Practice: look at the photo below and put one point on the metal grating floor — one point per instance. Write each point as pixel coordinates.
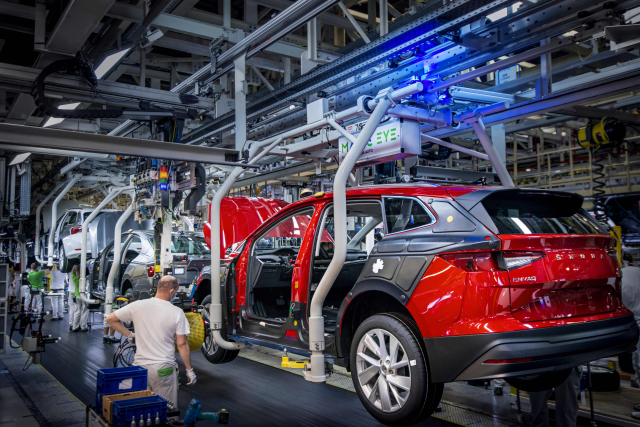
(452, 411)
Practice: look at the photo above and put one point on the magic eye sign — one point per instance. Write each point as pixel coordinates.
(394, 140)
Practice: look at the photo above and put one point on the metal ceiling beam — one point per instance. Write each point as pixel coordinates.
(274, 175)
(326, 17)
(194, 28)
(18, 10)
(597, 113)
(76, 24)
(67, 83)
(31, 136)
(615, 85)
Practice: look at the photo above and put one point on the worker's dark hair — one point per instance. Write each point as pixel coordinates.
(75, 269)
(34, 266)
(168, 283)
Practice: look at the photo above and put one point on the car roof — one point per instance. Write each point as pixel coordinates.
(402, 189)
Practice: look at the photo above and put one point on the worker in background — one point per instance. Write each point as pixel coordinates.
(73, 307)
(35, 280)
(109, 333)
(631, 300)
(25, 293)
(11, 289)
(566, 402)
(158, 323)
(57, 301)
(81, 314)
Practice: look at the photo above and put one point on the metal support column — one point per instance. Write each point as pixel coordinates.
(498, 164)
(312, 40)
(384, 18)
(240, 90)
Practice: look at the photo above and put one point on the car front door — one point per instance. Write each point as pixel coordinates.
(271, 274)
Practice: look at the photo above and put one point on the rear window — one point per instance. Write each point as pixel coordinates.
(405, 213)
(521, 212)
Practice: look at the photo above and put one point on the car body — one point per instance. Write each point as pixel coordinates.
(68, 234)
(137, 258)
(473, 282)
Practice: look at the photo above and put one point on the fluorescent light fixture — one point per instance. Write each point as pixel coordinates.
(503, 12)
(570, 33)
(55, 120)
(109, 62)
(19, 158)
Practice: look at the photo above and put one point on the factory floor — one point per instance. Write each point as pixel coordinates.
(253, 388)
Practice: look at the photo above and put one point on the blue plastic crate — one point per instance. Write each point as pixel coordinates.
(143, 408)
(121, 380)
(99, 402)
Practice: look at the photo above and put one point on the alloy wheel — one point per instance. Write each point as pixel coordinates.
(383, 370)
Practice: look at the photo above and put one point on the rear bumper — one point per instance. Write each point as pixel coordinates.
(552, 348)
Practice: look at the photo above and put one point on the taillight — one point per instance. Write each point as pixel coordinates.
(473, 261)
(151, 271)
(75, 230)
(511, 260)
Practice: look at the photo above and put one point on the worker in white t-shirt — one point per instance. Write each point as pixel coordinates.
(57, 301)
(158, 324)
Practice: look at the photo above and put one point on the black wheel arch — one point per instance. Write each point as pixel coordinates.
(203, 289)
(367, 298)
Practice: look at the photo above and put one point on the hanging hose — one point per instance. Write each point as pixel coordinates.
(599, 183)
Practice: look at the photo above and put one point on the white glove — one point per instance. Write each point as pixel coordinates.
(131, 337)
(192, 377)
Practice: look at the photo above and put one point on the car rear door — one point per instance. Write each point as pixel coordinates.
(560, 261)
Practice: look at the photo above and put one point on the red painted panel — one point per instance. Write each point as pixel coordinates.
(576, 277)
(239, 216)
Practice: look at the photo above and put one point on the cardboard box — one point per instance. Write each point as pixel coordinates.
(108, 399)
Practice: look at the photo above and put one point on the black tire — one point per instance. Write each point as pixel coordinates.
(65, 265)
(421, 397)
(210, 350)
(539, 382)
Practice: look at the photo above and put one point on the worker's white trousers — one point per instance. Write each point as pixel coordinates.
(72, 310)
(164, 385)
(25, 293)
(81, 315)
(57, 304)
(36, 303)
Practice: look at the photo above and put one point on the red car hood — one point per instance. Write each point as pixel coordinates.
(239, 216)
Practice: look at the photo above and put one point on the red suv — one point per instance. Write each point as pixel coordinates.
(440, 284)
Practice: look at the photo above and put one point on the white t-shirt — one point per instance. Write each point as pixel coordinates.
(156, 324)
(631, 290)
(57, 279)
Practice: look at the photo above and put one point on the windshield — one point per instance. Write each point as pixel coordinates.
(521, 212)
(189, 244)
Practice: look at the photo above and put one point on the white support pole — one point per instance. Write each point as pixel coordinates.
(85, 226)
(117, 251)
(187, 223)
(384, 18)
(38, 210)
(226, 14)
(316, 373)
(215, 310)
(54, 217)
(498, 165)
(286, 64)
(312, 40)
(240, 89)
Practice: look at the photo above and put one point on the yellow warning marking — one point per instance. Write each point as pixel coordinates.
(449, 219)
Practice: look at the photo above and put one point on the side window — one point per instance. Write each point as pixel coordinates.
(288, 233)
(71, 218)
(134, 249)
(363, 220)
(403, 213)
